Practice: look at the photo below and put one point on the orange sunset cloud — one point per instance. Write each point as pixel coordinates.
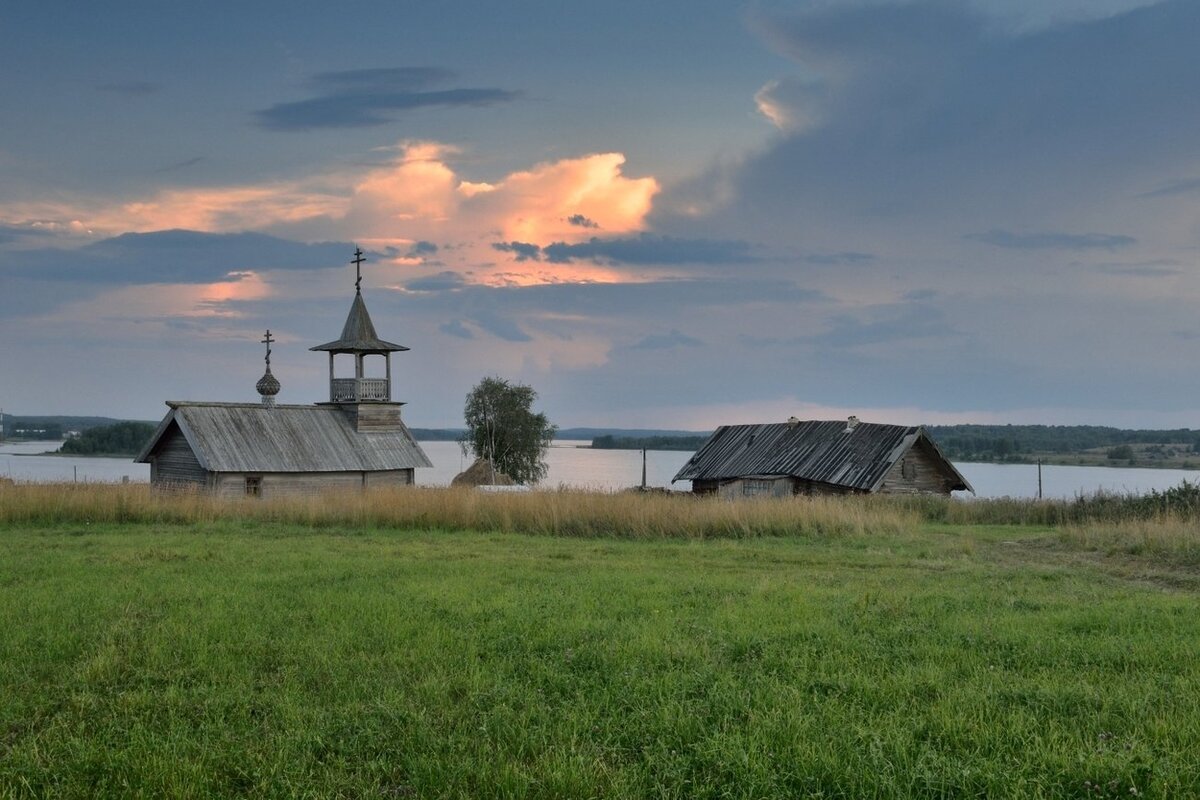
(417, 195)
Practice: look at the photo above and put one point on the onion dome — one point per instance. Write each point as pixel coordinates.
(268, 384)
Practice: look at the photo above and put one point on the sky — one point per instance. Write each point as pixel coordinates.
(677, 214)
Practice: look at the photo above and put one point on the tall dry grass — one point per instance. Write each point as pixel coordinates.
(555, 513)
(1169, 537)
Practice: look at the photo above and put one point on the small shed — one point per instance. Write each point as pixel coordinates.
(355, 440)
(820, 457)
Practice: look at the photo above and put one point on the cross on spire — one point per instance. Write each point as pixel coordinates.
(358, 262)
(267, 341)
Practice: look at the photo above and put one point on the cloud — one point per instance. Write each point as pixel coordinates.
(884, 325)
(368, 97)
(1173, 188)
(190, 162)
(400, 207)
(501, 327)
(174, 256)
(579, 220)
(666, 341)
(847, 258)
(792, 105)
(1149, 269)
(1040, 241)
(535, 205)
(524, 251)
(651, 249)
(935, 120)
(442, 282)
(456, 328)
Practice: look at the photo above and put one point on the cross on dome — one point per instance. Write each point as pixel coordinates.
(358, 262)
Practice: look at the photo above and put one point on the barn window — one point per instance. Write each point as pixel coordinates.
(908, 469)
(253, 486)
(754, 486)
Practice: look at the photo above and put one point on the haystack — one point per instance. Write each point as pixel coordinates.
(482, 473)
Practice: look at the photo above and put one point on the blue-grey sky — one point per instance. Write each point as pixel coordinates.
(675, 214)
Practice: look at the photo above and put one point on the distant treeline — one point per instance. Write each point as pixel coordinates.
(48, 428)
(121, 439)
(687, 443)
(979, 442)
(1000, 442)
(436, 434)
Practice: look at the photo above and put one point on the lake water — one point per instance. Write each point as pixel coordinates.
(611, 470)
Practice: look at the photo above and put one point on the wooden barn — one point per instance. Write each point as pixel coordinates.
(356, 440)
(820, 457)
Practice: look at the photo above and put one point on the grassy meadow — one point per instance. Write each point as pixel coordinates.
(437, 643)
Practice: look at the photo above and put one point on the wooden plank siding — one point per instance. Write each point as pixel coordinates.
(173, 462)
(291, 484)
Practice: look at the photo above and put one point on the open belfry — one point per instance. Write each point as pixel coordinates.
(354, 440)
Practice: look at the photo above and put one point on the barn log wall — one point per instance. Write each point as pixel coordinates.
(756, 487)
(926, 477)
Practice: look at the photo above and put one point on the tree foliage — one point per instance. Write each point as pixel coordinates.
(502, 427)
(123, 438)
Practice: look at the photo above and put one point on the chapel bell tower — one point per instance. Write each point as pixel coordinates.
(368, 400)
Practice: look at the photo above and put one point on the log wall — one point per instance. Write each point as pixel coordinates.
(923, 475)
(173, 461)
(279, 484)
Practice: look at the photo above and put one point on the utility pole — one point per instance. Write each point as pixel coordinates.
(643, 469)
(1039, 479)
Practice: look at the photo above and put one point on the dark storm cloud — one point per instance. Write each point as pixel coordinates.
(1052, 240)
(936, 117)
(175, 256)
(366, 97)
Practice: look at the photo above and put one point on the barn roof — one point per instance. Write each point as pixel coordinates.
(833, 452)
(358, 334)
(241, 437)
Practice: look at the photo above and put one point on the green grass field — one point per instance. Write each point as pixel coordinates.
(244, 657)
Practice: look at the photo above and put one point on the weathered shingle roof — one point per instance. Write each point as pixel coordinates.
(238, 437)
(822, 451)
(358, 334)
